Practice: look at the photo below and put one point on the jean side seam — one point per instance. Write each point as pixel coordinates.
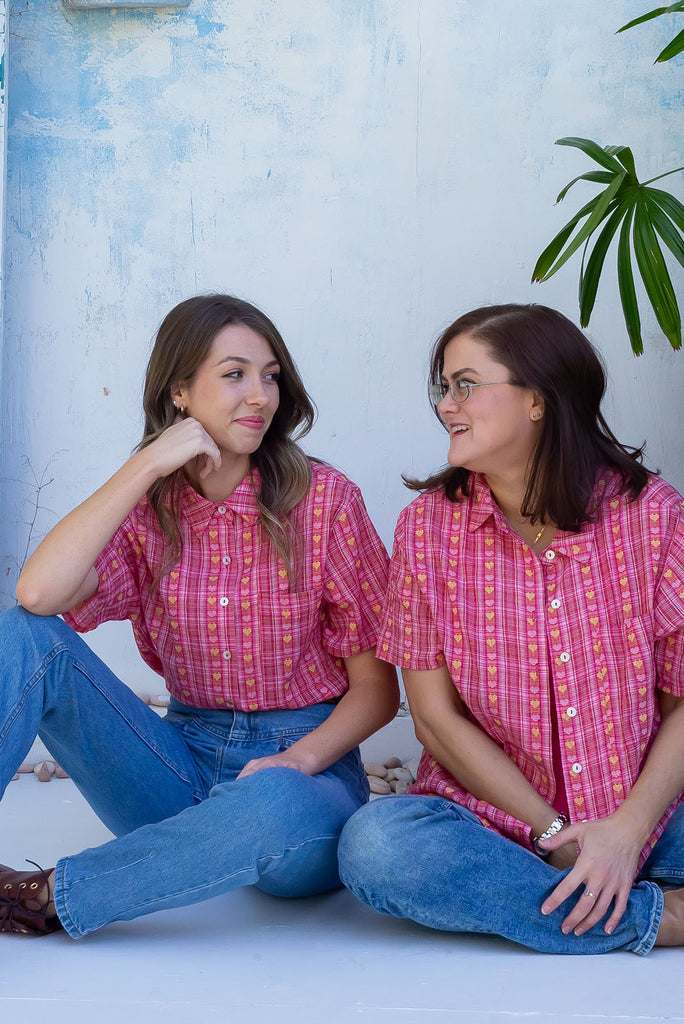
(193, 783)
(29, 687)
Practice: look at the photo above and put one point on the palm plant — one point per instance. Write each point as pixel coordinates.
(677, 44)
(644, 215)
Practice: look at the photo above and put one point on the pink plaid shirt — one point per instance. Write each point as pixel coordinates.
(225, 627)
(598, 617)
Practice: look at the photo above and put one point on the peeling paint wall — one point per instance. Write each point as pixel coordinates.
(363, 171)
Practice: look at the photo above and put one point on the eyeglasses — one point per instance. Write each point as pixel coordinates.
(461, 390)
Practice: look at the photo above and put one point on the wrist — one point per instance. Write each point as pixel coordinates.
(553, 829)
(634, 825)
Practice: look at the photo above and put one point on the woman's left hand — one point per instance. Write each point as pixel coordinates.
(286, 759)
(605, 870)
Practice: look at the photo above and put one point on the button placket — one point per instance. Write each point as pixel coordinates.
(214, 620)
(248, 638)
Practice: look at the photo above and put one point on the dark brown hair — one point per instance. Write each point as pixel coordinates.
(545, 352)
(181, 346)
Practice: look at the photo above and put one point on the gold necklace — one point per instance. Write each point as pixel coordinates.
(538, 537)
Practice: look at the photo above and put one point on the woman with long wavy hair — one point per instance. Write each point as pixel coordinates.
(536, 607)
(253, 580)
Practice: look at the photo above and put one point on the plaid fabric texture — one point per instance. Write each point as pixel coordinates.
(598, 617)
(226, 627)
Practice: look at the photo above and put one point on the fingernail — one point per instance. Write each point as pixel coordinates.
(565, 930)
(609, 929)
(545, 910)
(579, 931)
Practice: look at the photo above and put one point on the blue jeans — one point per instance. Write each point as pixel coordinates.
(431, 860)
(187, 828)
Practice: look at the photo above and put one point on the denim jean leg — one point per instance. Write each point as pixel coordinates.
(430, 860)
(131, 766)
(277, 829)
(666, 863)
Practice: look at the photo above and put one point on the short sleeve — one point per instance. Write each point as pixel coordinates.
(118, 594)
(409, 636)
(669, 615)
(355, 580)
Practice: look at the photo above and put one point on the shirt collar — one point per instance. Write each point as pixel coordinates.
(200, 512)
(483, 508)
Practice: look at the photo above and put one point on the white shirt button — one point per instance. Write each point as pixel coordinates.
(549, 555)
(226, 655)
(576, 768)
(221, 509)
(565, 656)
(226, 559)
(223, 601)
(571, 712)
(555, 603)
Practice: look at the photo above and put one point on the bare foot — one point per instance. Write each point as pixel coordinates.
(671, 930)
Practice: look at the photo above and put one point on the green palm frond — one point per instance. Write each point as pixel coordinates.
(644, 215)
(677, 44)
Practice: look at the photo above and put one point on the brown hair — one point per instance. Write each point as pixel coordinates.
(181, 346)
(545, 352)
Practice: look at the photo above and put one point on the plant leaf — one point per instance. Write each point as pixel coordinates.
(671, 206)
(679, 6)
(593, 150)
(655, 276)
(666, 229)
(600, 211)
(556, 244)
(672, 49)
(589, 278)
(626, 157)
(630, 307)
(602, 177)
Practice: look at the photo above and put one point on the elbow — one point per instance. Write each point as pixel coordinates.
(32, 599)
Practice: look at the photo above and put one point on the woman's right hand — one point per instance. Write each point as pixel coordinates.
(182, 442)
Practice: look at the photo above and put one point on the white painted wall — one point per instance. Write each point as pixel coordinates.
(365, 171)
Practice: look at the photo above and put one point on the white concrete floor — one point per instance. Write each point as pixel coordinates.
(248, 958)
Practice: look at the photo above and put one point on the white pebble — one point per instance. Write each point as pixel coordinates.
(393, 762)
(401, 787)
(378, 785)
(375, 768)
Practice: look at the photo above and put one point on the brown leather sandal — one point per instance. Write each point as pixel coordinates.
(23, 909)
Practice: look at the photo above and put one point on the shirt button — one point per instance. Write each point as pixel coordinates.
(226, 655)
(555, 603)
(565, 656)
(576, 768)
(571, 712)
(221, 509)
(223, 601)
(549, 555)
(226, 559)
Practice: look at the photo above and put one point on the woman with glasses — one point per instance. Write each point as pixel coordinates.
(536, 608)
(253, 579)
